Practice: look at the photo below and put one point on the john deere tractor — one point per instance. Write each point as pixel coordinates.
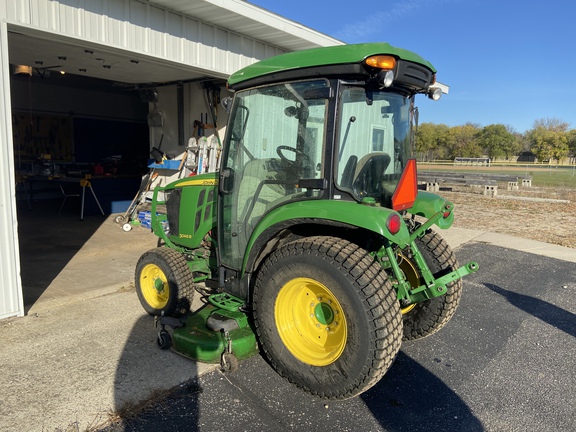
(312, 243)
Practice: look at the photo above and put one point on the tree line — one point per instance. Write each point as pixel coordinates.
(549, 139)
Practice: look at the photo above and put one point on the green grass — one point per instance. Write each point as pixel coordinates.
(542, 176)
(554, 178)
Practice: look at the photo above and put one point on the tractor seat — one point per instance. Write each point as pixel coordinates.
(369, 174)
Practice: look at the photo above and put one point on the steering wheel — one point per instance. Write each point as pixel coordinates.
(297, 152)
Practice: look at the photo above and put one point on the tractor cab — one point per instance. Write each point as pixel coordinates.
(346, 138)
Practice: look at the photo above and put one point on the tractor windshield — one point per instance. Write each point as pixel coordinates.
(374, 142)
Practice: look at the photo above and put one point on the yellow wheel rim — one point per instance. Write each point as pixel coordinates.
(411, 274)
(310, 322)
(154, 286)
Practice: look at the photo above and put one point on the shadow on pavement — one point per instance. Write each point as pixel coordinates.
(143, 369)
(255, 398)
(48, 241)
(547, 312)
(409, 397)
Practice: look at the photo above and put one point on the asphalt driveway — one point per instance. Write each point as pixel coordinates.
(506, 362)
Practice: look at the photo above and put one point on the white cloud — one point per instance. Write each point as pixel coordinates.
(374, 22)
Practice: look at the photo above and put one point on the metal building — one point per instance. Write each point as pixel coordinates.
(177, 43)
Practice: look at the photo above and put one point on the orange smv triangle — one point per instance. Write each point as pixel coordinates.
(407, 188)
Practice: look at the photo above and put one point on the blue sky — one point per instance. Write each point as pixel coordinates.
(508, 62)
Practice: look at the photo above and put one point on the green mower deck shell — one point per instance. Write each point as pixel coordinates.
(196, 341)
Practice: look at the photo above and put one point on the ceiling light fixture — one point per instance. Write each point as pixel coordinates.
(23, 70)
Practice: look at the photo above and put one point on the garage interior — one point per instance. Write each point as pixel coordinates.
(79, 112)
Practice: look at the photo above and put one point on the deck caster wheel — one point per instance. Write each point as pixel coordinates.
(164, 340)
(229, 363)
(119, 219)
(127, 227)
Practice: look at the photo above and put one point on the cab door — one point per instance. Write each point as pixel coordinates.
(275, 138)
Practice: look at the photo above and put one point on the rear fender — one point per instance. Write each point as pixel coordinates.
(432, 206)
(353, 214)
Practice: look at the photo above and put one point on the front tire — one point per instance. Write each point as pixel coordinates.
(326, 316)
(427, 317)
(164, 282)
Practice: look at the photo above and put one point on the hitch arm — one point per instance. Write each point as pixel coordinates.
(438, 286)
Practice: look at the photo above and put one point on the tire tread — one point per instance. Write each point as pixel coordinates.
(434, 314)
(379, 305)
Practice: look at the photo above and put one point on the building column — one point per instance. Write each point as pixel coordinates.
(11, 299)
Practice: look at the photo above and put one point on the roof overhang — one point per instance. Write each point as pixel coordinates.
(247, 19)
(47, 51)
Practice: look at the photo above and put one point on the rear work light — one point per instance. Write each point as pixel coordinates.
(394, 223)
(435, 93)
(407, 188)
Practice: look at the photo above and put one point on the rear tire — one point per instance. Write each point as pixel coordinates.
(164, 282)
(427, 317)
(326, 316)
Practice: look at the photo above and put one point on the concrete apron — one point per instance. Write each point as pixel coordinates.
(75, 364)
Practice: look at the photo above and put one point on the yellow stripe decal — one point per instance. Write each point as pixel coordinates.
(205, 182)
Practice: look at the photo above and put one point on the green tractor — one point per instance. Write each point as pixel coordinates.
(311, 244)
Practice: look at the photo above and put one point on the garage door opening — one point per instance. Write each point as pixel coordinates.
(75, 133)
(66, 129)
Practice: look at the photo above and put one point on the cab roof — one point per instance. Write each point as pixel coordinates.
(289, 64)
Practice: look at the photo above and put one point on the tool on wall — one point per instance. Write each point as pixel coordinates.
(156, 153)
(213, 100)
(202, 154)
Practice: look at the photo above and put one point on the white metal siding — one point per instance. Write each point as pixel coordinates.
(141, 28)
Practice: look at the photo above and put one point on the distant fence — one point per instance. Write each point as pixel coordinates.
(472, 161)
(501, 164)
